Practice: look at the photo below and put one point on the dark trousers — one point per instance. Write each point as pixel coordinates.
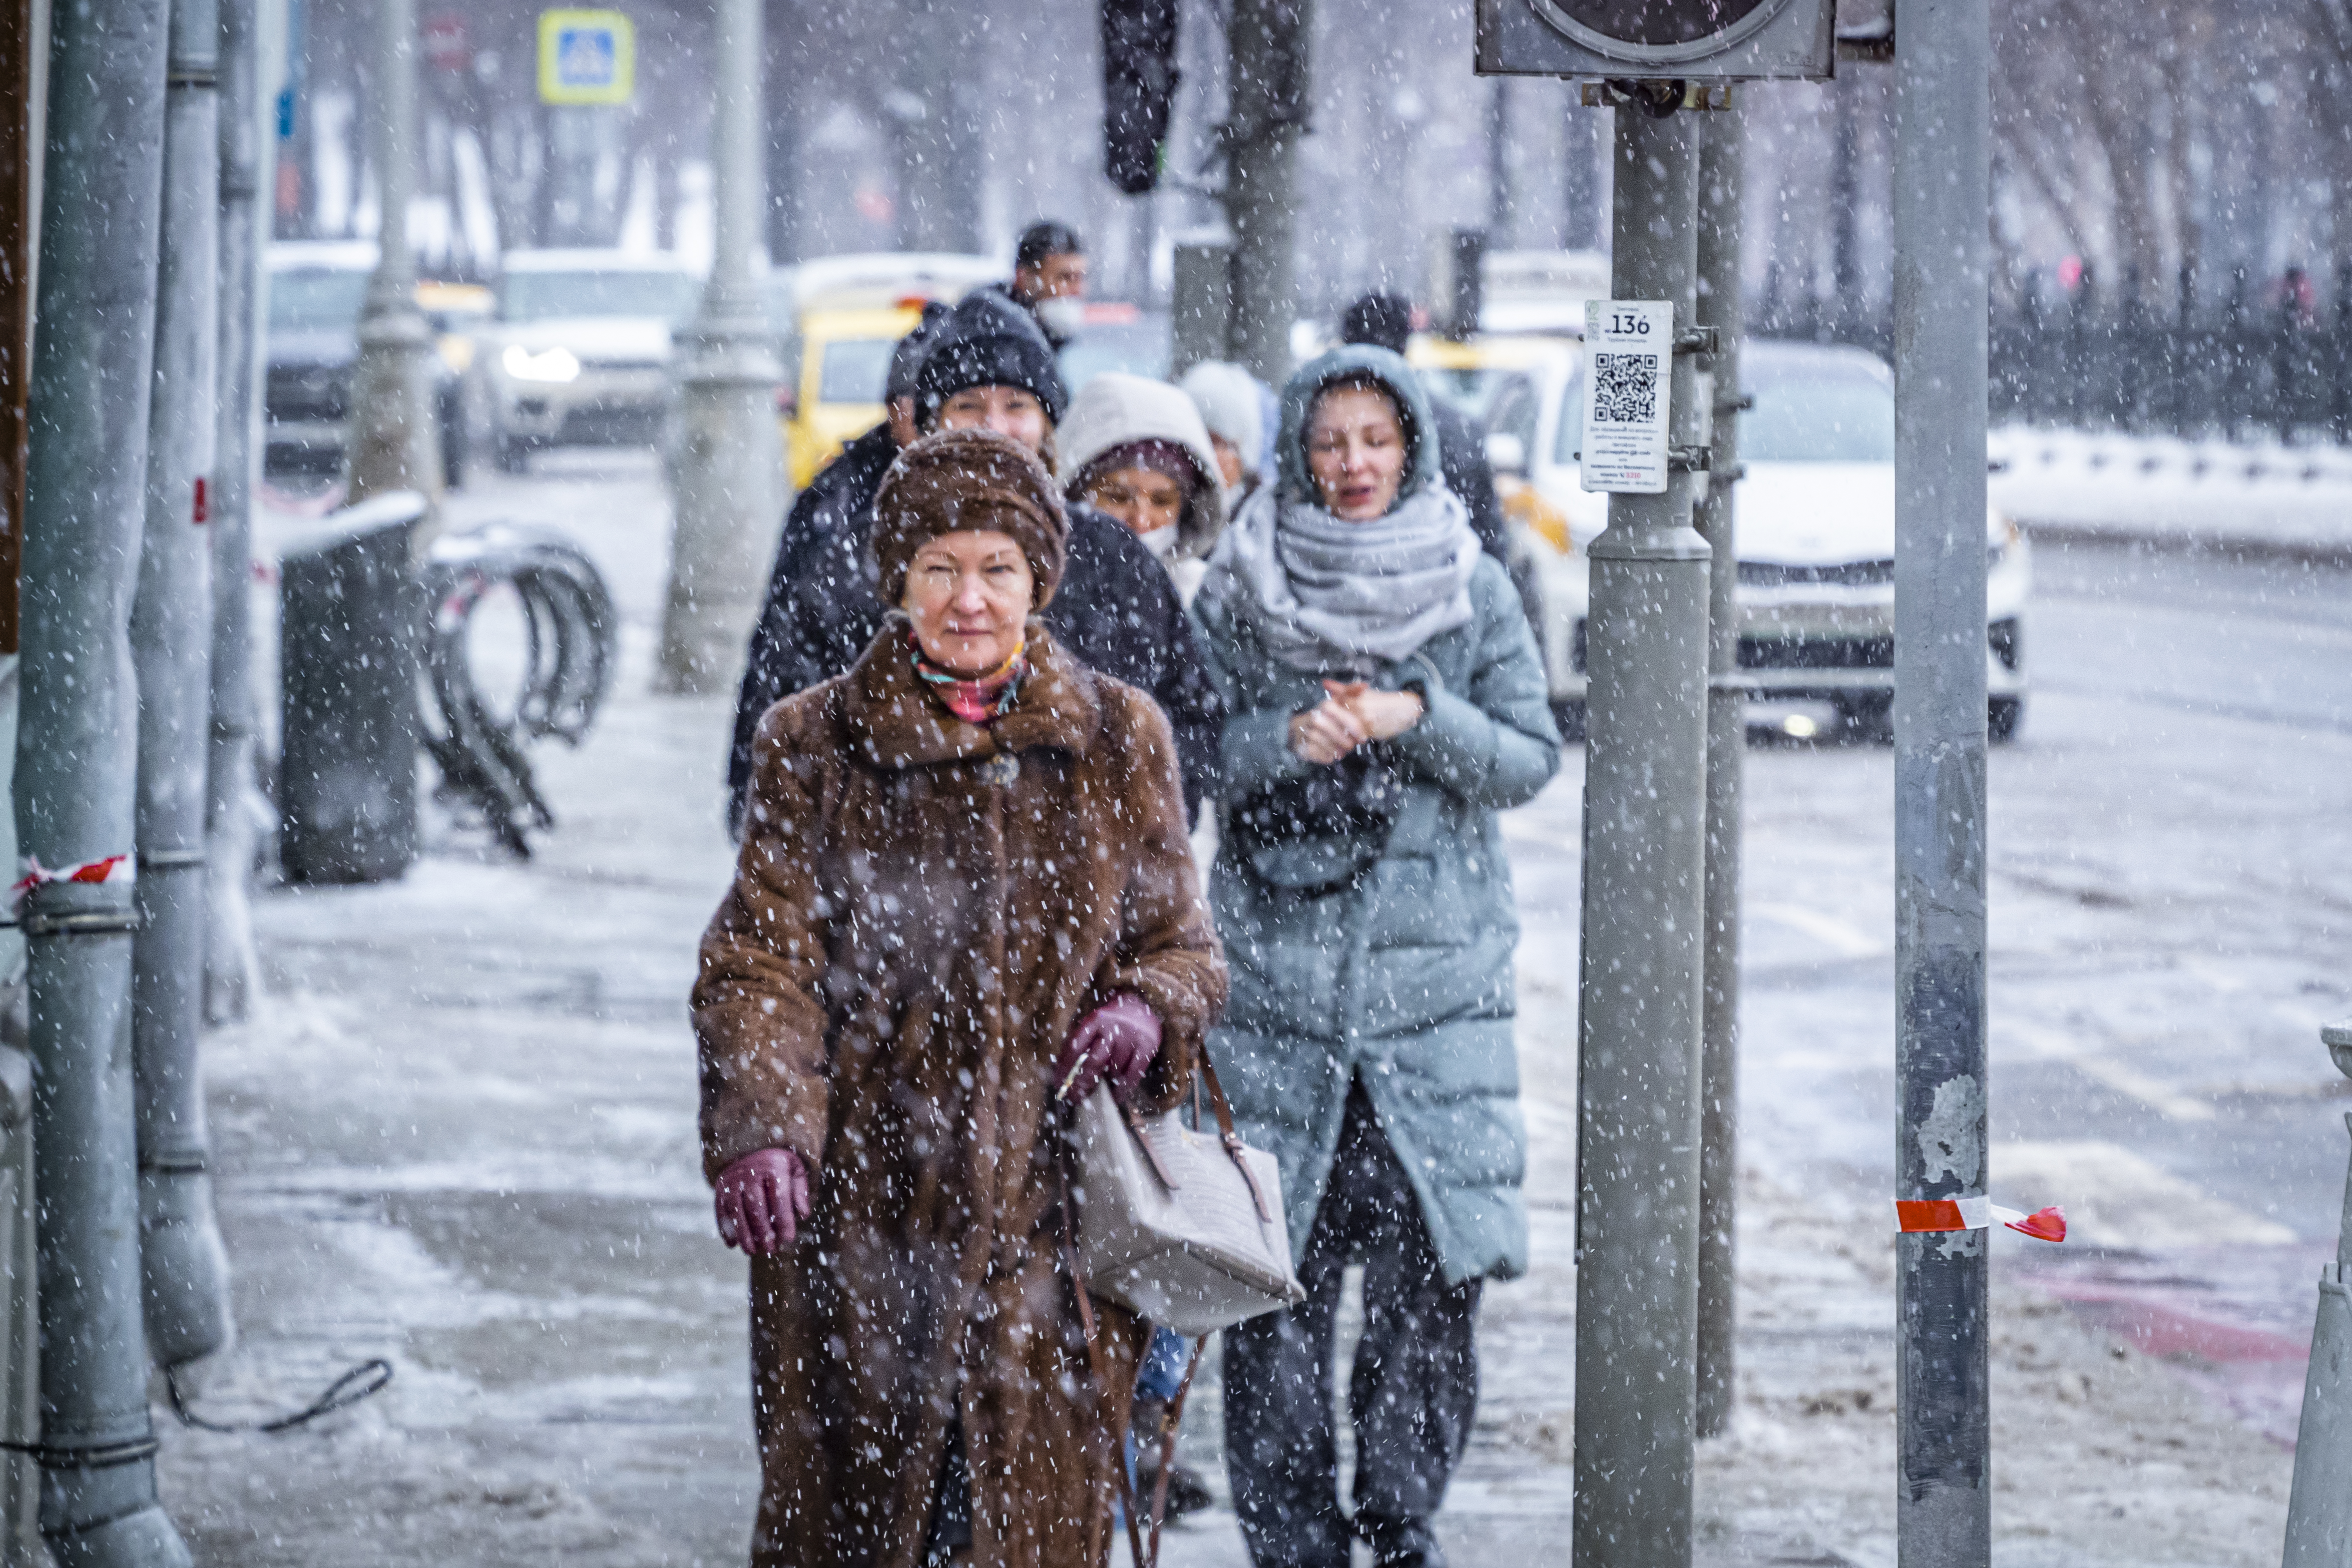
(1411, 1401)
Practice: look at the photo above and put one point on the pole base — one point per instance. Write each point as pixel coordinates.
(143, 1538)
(183, 1268)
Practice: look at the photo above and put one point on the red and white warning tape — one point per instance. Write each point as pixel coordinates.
(112, 869)
(1977, 1213)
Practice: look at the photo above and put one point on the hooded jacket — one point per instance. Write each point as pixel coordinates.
(1398, 976)
(1116, 409)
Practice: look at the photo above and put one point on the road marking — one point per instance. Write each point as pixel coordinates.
(1845, 940)
(2113, 1198)
(2044, 1043)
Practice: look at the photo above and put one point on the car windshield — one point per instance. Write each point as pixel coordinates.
(316, 299)
(1816, 413)
(855, 370)
(547, 296)
(1473, 390)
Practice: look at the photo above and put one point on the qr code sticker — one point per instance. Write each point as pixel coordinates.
(1625, 388)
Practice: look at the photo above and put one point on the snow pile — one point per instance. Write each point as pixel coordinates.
(2260, 497)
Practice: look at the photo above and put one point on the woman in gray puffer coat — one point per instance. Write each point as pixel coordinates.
(1385, 702)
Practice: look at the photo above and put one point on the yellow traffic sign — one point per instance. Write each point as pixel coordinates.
(586, 57)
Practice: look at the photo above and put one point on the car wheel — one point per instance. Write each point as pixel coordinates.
(1868, 718)
(1569, 714)
(2003, 717)
(513, 456)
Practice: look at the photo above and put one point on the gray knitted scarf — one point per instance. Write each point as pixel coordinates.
(1324, 594)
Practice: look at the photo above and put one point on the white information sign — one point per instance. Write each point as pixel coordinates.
(1629, 347)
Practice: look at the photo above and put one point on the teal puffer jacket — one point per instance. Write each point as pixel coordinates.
(1402, 978)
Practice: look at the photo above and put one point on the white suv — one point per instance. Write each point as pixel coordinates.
(579, 350)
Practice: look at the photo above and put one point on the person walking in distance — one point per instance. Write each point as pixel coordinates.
(963, 894)
(1386, 703)
(1232, 407)
(1049, 279)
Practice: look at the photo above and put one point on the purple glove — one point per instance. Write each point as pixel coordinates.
(1114, 1043)
(761, 1198)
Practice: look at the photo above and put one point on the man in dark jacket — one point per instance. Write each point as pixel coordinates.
(986, 363)
(1385, 320)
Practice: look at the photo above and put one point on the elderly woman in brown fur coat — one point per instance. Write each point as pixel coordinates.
(964, 890)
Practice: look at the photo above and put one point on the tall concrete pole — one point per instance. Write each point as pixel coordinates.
(183, 1265)
(729, 474)
(76, 751)
(395, 443)
(1644, 829)
(233, 810)
(1270, 94)
(1943, 1481)
(1721, 185)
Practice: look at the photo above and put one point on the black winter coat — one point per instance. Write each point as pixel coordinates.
(1116, 611)
(1461, 455)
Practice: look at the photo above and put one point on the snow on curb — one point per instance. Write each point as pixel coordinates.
(2261, 498)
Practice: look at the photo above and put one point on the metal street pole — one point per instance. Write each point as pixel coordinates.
(1269, 98)
(234, 809)
(77, 751)
(1645, 827)
(1943, 1497)
(395, 442)
(729, 472)
(183, 1264)
(1721, 185)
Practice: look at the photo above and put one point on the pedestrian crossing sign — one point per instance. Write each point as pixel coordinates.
(586, 57)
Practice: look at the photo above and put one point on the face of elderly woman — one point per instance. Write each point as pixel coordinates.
(1355, 449)
(969, 594)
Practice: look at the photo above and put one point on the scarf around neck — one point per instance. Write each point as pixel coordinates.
(1325, 594)
(975, 699)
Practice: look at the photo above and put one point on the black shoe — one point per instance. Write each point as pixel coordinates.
(1401, 1542)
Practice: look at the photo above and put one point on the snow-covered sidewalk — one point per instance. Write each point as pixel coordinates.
(461, 1135)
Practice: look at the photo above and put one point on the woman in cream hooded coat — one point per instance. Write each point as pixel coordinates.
(1137, 450)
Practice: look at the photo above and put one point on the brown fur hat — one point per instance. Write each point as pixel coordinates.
(969, 480)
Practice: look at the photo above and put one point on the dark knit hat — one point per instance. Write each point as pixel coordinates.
(907, 357)
(990, 342)
(973, 480)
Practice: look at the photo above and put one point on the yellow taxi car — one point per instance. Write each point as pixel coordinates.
(844, 362)
(839, 317)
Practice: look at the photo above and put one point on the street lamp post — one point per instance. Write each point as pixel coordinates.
(728, 475)
(1943, 1444)
(77, 753)
(395, 442)
(1645, 827)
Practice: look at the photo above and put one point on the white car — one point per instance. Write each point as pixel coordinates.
(1814, 519)
(579, 350)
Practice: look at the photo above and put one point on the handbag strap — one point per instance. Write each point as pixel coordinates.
(1102, 1390)
(1234, 1148)
(1172, 1417)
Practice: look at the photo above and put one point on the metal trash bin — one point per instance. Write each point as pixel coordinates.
(347, 626)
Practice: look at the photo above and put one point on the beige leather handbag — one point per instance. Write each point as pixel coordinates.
(1183, 1227)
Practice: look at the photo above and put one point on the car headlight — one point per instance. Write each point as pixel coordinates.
(556, 364)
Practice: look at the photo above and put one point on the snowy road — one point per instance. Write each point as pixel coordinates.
(463, 1134)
